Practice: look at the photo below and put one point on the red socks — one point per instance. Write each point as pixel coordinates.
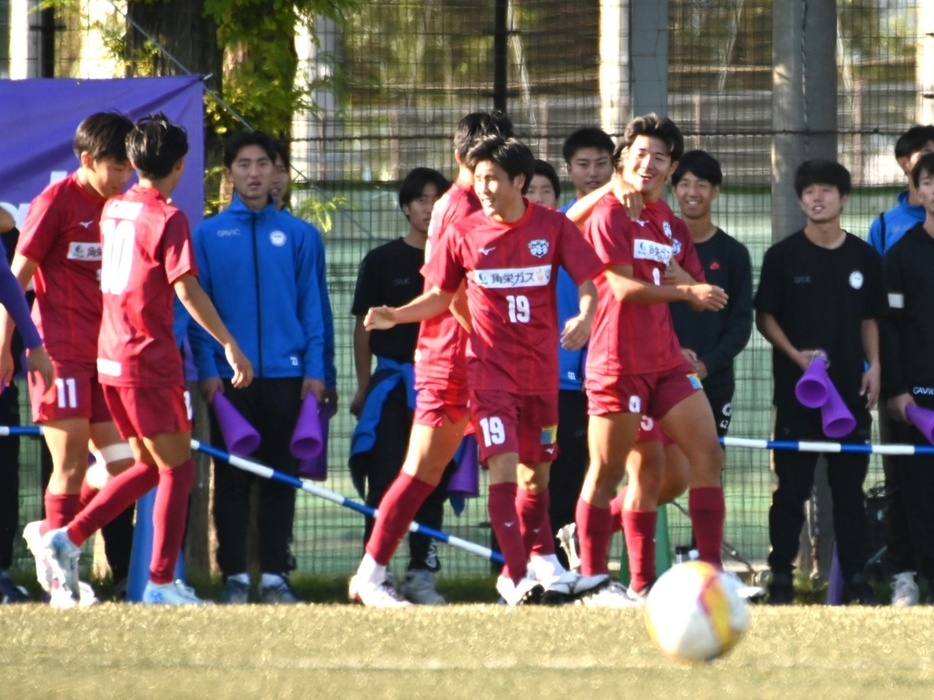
(505, 521)
(169, 516)
(113, 499)
(537, 535)
(639, 530)
(60, 509)
(708, 511)
(594, 529)
(396, 512)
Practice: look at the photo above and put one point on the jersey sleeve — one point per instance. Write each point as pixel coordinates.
(689, 259)
(578, 257)
(177, 250)
(364, 295)
(608, 232)
(40, 228)
(768, 297)
(444, 268)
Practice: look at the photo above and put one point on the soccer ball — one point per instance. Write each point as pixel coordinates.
(694, 613)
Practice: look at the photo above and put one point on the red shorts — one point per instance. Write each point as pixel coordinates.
(76, 393)
(650, 430)
(433, 404)
(145, 411)
(650, 394)
(506, 422)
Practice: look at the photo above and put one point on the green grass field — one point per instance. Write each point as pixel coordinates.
(462, 651)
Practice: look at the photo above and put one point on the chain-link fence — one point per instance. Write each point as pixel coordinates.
(394, 78)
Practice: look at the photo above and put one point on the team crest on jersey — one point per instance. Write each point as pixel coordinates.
(676, 247)
(277, 238)
(538, 247)
(666, 227)
(856, 279)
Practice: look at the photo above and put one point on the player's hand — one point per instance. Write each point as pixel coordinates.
(700, 369)
(6, 370)
(690, 356)
(576, 332)
(803, 358)
(675, 274)
(316, 387)
(380, 318)
(329, 400)
(706, 297)
(356, 403)
(628, 196)
(869, 387)
(898, 406)
(242, 367)
(39, 363)
(209, 387)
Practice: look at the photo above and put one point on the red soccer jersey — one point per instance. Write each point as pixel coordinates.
(511, 271)
(61, 233)
(439, 354)
(636, 338)
(146, 248)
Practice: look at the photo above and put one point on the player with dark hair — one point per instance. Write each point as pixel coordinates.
(819, 298)
(59, 248)
(635, 365)
(884, 232)
(588, 158)
(385, 400)
(441, 381)
(508, 254)
(147, 260)
(545, 188)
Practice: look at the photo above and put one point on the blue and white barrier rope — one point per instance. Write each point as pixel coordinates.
(804, 446)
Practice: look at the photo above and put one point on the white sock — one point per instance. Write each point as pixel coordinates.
(270, 580)
(545, 566)
(370, 570)
(242, 578)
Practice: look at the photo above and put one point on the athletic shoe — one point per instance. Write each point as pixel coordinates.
(375, 595)
(567, 538)
(279, 593)
(639, 597)
(175, 593)
(744, 591)
(528, 591)
(570, 586)
(87, 596)
(236, 592)
(612, 595)
(419, 588)
(10, 592)
(905, 590)
(63, 555)
(33, 536)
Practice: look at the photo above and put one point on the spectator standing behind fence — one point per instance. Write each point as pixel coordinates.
(10, 296)
(384, 403)
(147, 261)
(886, 230)
(260, 267)
(820, 295)
(59, 250)
(908, 373)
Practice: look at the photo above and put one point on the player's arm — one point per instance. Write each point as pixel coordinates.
(428, 305)
(16, 309)
(362, 362)
(872, 377)
(770, 329)
(199, 305)
(577, 329)
(703, 297)
(23, 269)
(7, 222)
(460, 309)
(628, 196)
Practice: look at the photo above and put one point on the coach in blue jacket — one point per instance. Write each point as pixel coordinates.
(262, 269)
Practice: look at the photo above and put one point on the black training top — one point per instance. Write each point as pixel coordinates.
(820, 298)
(718, 337)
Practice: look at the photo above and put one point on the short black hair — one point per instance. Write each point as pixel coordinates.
(155, 145)
(822, 172)
(913, 140)
(653, 126)
(282, 153)
(242, 139)
(544, 168)
(103, 135)
(478, 124)
(701, 165)
(925, 164)
(511, 155)
(587, 137)
(414, 184)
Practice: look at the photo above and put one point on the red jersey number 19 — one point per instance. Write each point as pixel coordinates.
(519, 309)
(117, 254)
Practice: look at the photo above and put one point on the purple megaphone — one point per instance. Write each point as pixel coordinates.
(465, 481)
(306, 439)
(836, 417)
(922, 419)
(316, 468)
(813, 389)
(240, 437)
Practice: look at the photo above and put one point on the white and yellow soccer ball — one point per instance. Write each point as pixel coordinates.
(694, 613)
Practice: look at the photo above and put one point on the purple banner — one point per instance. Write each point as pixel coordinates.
(39, 117)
